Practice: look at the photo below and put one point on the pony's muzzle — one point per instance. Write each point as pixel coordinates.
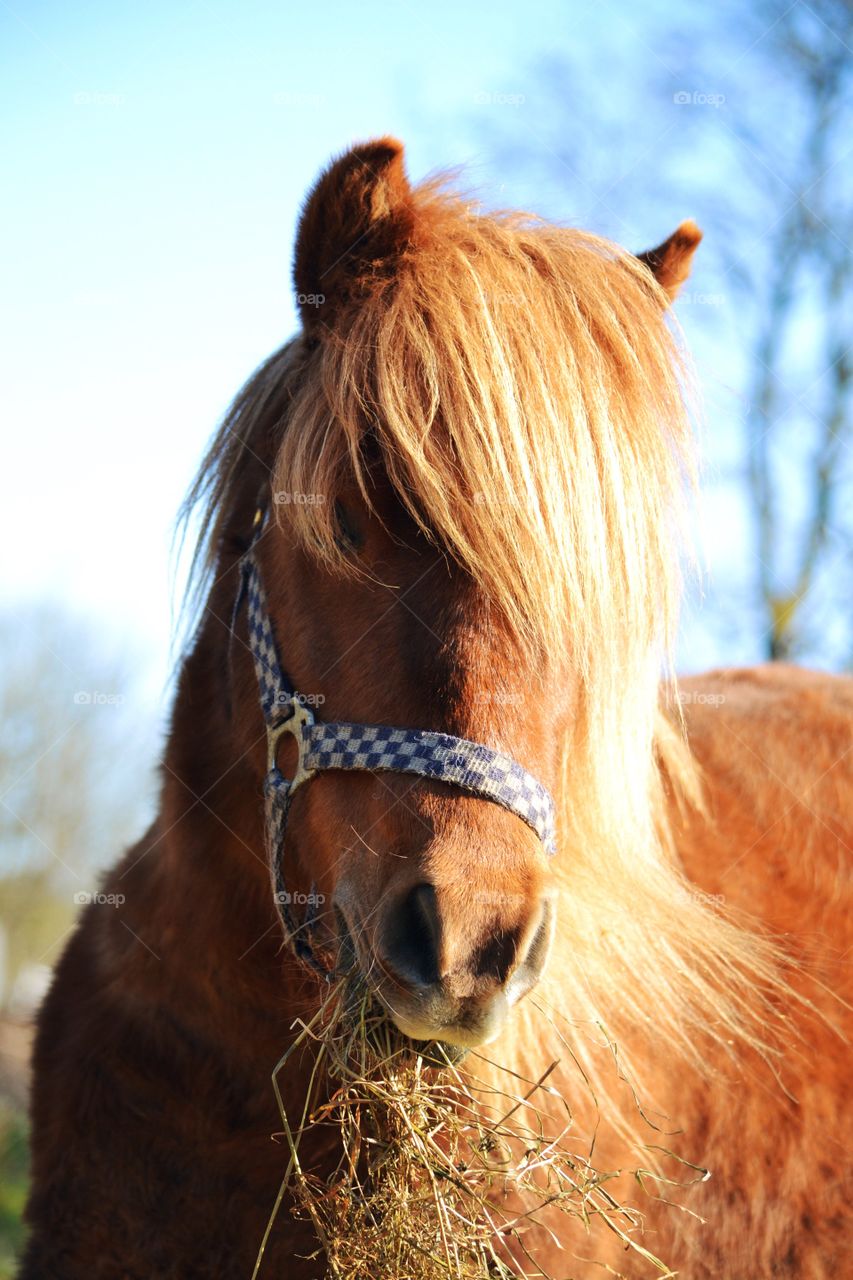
(455, 976)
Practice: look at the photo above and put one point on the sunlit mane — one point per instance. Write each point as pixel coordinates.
(524, 391)
(526, 395)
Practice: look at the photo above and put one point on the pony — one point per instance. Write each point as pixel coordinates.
(473, 460)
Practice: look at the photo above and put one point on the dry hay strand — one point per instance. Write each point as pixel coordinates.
(432, 1184)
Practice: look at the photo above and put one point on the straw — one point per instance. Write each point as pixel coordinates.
(440, 1176)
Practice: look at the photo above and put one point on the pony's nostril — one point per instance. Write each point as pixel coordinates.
(496, 957)
(533, 962)
(417, 949)
(413, 936)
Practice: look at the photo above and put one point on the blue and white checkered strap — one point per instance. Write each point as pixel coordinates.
(477, 769)
(276, 691)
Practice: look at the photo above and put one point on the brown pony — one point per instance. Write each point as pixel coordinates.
(474, 452)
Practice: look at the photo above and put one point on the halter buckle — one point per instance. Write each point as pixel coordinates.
(299, 719)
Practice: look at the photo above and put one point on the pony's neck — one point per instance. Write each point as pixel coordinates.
(211, 778)
(212, 820)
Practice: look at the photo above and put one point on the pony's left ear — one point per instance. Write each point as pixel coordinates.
(670, 262)
(356, 222)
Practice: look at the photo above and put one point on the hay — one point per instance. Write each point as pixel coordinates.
(440, 1177)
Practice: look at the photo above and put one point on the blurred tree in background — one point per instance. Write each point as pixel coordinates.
(744, 120)
(76, 784)
(799, 396)
(77, 741)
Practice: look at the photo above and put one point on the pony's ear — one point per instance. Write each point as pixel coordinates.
(355, 224)
(670, 262)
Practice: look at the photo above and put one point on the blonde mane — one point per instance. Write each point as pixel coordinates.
(527, 398)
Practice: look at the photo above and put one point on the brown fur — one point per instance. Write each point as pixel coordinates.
(773, 744)
(536, 624)
(670, 262)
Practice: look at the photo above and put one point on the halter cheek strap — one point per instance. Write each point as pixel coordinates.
(475, 768)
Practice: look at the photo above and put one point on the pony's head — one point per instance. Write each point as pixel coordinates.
(472, 451)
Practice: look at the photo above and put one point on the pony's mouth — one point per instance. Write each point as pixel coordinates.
(432, 1047)
(416, 1016)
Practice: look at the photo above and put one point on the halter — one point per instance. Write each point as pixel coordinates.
(472, 766)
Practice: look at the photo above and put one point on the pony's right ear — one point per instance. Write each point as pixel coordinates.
(355, 223)
(670, 262)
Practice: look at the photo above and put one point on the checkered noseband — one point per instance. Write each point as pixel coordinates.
(475, 768)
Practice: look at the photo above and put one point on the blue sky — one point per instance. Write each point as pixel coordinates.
(159, 156)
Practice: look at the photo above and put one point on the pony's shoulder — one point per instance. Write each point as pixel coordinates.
(773, 745)
(773, 735)
(770, 679)
(811, 708)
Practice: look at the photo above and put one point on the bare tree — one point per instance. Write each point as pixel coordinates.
(77, 742)
(744, 120)
(808, 296)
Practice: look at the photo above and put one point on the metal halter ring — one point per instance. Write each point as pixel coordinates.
(299, 719)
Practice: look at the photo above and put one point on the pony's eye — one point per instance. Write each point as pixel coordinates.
(348, 537)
